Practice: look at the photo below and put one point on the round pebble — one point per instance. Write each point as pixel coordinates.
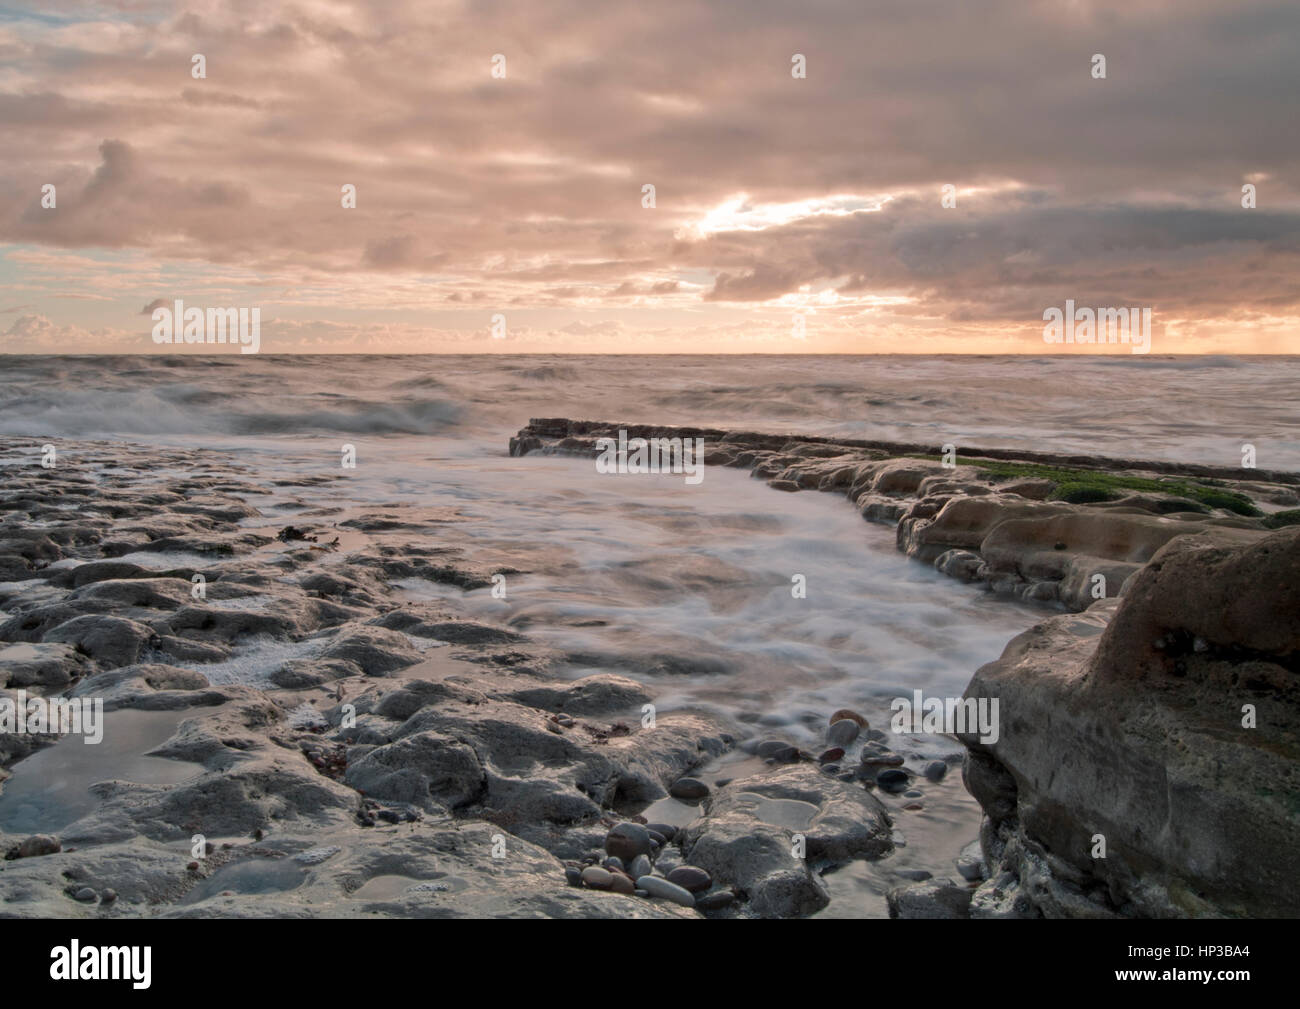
(688, 788)
(691, 878)
(913, 793)
(597, 878)
(850, 715)
(935, 770)
(831, 755)
(621, 883)
(85, 895)
(573, 875)
(627, 840)
(843, 732)
(892, 779)
(38, 844)
(665, 830)
(614, 862)
(640, 867)
(108, 896)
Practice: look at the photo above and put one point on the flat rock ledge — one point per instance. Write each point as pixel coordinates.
(1024, 524)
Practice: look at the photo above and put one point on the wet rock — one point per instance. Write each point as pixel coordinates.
(852, 716)
(930, 898)
(777, 750)
(843, 732)
(891, 779)
(935, 770)
(641, 866)
(745, 840)
(688, 788)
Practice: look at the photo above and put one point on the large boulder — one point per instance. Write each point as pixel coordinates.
(1148, 761)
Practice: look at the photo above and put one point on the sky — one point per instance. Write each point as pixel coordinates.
(500, 154)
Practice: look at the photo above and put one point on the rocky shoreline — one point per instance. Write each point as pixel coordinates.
(1150, 761)
(322, 744)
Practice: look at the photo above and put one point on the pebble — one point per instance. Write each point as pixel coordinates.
(914, 806)
(641, 893)
(852, 716)
(656, 837)
(691, 878)
(876, 736)
(597, 878)
(892, 779)
(916, 875)
(688, 788)
(913, 793)
(614, 862)
(85, 895)
(935, 770)
(883, 759)
(38, 844)
(573, 875)
(657, 887)
(640, 867)
(665, 830)
(831, 755)
(108, 896)
(715, 901)
(622, 883)
(775, 749)
(843, 732)
(627, 840)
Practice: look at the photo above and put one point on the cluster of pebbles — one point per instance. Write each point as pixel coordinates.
(638, 861)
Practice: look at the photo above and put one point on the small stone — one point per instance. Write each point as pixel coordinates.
(573, 875)
(192, 866)
(915, 875)
(691, 878)
(656, 837)
(843, 732)
(882, 760)
(640, 867)
(935, 770)
(614, 862)
(775, 749)
(622, 883)
(891, 779)
(627, 840)
(597, 878)
(108, 896)
(641, 893)
(715, 901)
(913, 793)
(657, 887)
(665, 830)
(688, 788)
(86, 895)
(852, 716)
(831, 755)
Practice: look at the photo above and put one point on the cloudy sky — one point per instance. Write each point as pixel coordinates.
(775, 196)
